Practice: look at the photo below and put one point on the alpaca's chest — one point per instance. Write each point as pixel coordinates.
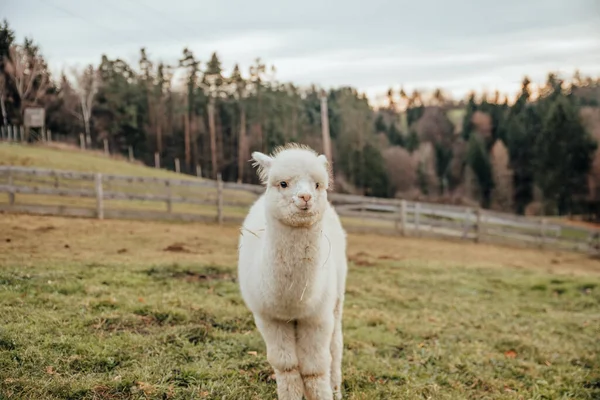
(297, 288)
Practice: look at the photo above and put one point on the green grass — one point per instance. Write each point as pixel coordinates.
(72, 159)
(116, 310)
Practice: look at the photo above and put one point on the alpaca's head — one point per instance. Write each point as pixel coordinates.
(297, 180)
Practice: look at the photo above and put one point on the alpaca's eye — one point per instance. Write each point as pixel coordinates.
(283, 185)
(318, 185)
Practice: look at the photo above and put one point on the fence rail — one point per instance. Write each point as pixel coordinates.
(54, 192)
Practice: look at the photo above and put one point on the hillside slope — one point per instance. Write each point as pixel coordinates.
(73, 159)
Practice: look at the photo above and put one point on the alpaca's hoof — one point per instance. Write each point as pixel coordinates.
(337, 394)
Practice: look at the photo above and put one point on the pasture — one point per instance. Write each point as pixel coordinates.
(145, 310)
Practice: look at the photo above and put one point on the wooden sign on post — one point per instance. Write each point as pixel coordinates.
(34, 117)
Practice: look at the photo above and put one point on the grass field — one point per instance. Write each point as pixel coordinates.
(72, 159)
(133, 310)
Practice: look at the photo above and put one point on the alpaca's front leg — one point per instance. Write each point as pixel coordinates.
(337, 348)
(314, 356)
(280, 338)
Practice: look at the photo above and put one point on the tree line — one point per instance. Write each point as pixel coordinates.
(535, 155)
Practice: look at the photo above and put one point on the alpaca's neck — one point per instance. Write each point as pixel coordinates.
(293, 253)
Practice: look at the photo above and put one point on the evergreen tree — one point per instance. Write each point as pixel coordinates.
(412, 141)
(521, 126)
(479, 161)
(394, 136)
(7, 91)
(380, 125)
(470, 109)
(443, 157)
(563, 157)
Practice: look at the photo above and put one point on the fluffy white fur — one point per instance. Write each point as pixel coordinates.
(292, 273)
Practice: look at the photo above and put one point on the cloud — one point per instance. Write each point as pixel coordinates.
(458, 45)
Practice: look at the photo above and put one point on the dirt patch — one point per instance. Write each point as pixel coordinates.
(46, 228)
(191, 276)
(121, 251)
(387, 257)
(361, 259)
(177, 248)
(204, 274)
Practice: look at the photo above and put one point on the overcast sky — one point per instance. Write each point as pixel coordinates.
(457, 45)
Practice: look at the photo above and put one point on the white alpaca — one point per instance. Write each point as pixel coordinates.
(292, 273)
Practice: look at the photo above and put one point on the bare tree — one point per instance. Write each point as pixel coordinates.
(86, 87)
(502, 194)
(325, 127)
(213, 93)
(435, 127)
(483, 124)
(238, 88)
(2, 99)
(424, 159)
(590, 117)
(28, 74)
(401, 169)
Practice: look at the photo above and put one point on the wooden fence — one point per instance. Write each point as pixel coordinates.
(95, 195)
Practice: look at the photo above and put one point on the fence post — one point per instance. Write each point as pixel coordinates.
(403, 220)
(177, 166)
(417, 217)
(543, 223)
(219, 199)
(3, 132)
(478, 225)
(466, 222)
(56, 182)
(22, 133)
(593, 243)
(106, 152)
(49, 135)
(169, 196)
(130, 154)
(11, 188)
(198, 171)
(81, 141)
(156, 160)
(9, 133)
(99, 196)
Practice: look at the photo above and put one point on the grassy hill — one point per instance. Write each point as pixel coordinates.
(68, 158)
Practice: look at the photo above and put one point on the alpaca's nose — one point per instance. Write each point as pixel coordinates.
(305, 196)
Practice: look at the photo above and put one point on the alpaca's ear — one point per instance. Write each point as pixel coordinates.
(323, 160)
(327, 166)
(263, 162)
